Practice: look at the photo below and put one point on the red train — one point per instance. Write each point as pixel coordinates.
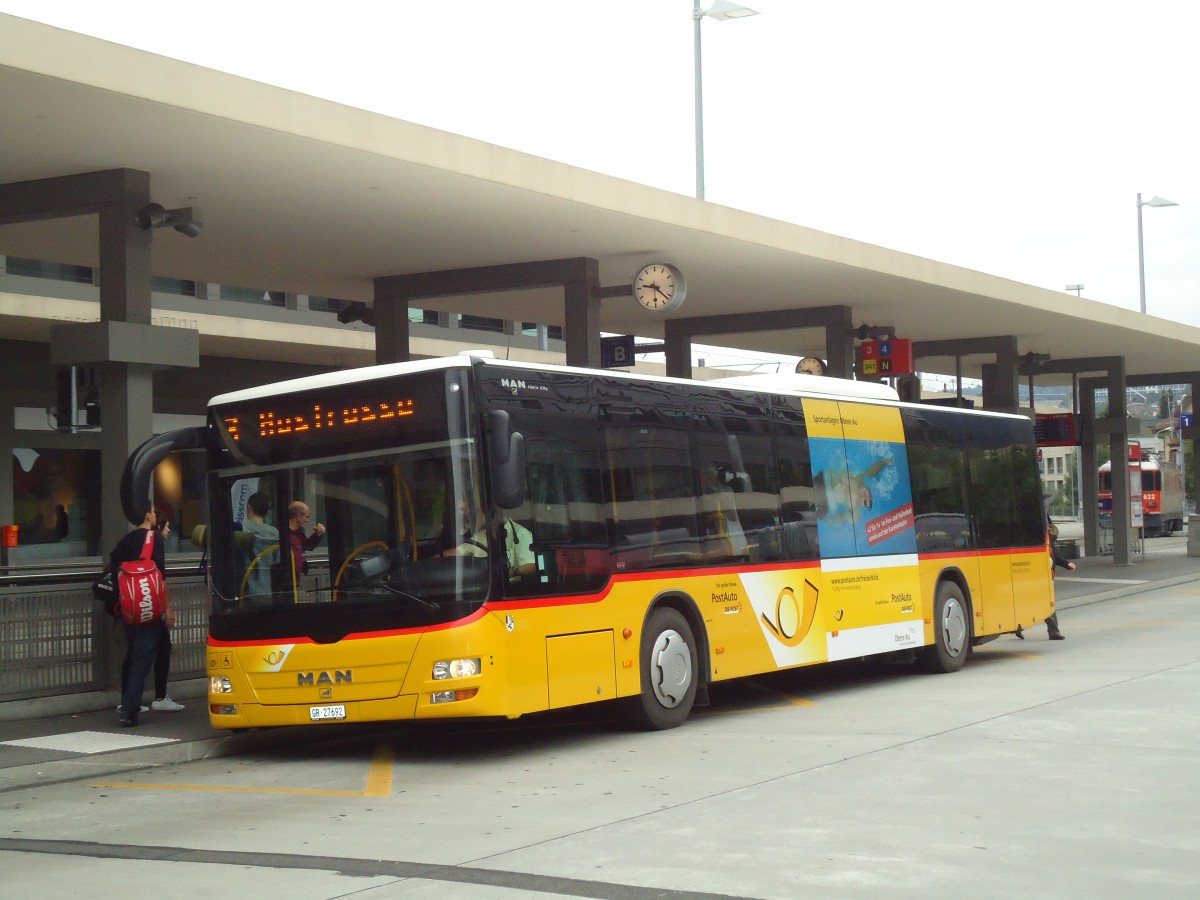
(1162, 491)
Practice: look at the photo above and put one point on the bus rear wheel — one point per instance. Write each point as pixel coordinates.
(951, 631)
(669, 671)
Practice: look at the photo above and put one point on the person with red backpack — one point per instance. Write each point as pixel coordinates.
(147, 616)
(162, 656)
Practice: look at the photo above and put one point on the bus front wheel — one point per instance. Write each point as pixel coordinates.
(669, 671)
(951, 631)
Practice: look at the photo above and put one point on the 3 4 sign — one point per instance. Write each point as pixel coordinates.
(884, 359)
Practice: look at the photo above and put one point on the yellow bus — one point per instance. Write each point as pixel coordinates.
(504, 538)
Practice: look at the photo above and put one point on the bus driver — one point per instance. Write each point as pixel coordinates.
(518, 542)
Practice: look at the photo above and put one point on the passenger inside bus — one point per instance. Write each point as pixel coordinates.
(723, 534)
(299, 542)
(262, 540)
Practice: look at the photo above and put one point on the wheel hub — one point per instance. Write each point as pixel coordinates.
(671, 667)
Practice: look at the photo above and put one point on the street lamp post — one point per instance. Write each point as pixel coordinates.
(1153, 201)
(720, 10)
(1182, 462)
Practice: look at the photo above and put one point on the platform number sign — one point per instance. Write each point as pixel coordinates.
(617, 351)
(886, 359)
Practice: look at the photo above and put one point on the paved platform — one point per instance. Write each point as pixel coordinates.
(78, 740)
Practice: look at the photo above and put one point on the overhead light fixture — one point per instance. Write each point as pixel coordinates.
(357, 312)
(875, 332)
(726, 9)
(185, 220)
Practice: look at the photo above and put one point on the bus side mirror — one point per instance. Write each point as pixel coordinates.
(139, 468)
(507, 460)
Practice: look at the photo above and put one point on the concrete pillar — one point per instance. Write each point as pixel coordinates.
(1000, 378)
(678, 350)
(839, 346)
(126, 395)
(8, 438)
(1089, 492)
(582, 331)
(1117, 440)
(392, 329)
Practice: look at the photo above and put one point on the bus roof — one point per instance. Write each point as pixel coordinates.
(341, 377)
(782, 383)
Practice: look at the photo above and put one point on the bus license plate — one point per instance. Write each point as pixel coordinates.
(320, 713)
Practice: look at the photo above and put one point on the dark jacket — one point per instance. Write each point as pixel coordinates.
(129, 548)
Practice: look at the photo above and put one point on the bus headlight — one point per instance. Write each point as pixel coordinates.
(455, 668)
(219, 684)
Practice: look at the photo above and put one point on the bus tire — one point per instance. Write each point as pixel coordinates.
(951, 631)
(669, 671)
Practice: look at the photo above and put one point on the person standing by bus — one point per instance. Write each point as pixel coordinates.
(1062, 563)
(162, 654)
(142, 640)
(1052, 629)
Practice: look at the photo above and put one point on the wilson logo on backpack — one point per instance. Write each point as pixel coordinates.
(141, 588)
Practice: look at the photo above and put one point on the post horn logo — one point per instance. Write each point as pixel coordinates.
(793, 617)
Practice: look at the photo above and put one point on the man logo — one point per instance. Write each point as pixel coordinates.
(308, 679)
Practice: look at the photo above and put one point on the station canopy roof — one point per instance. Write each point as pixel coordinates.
(305, 195)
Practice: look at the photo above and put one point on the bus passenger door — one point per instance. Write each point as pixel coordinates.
(996, 589)
(993, 515)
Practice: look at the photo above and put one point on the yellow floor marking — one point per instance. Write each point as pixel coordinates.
(790, 702)
(788, 699)
(379, 778)
(379, 782)
(997, 653)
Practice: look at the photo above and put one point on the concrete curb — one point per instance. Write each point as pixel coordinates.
(88, 701)
(186, 750)
(1126, 591)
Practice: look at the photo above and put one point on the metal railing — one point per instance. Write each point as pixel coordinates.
(56, 639)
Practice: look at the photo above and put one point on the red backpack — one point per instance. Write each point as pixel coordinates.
(140, 586)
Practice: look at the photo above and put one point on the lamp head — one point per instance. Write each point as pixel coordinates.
(185, 220)
(727, 9)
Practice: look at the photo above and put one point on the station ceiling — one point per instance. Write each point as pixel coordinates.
(304, 195)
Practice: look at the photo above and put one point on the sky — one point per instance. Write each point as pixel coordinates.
(1011, 138)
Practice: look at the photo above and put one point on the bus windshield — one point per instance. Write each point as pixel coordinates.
(376, 551)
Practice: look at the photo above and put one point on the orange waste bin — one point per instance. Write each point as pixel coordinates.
(8, 535)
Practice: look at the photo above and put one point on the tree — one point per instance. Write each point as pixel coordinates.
(1166, 403)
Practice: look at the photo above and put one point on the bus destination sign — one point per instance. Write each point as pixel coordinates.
(372, 414)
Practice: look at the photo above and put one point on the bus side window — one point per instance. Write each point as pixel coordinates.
(563, 509)
(796, 536)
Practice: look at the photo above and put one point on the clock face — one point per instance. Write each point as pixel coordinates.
(659, 287)
(811, 365)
